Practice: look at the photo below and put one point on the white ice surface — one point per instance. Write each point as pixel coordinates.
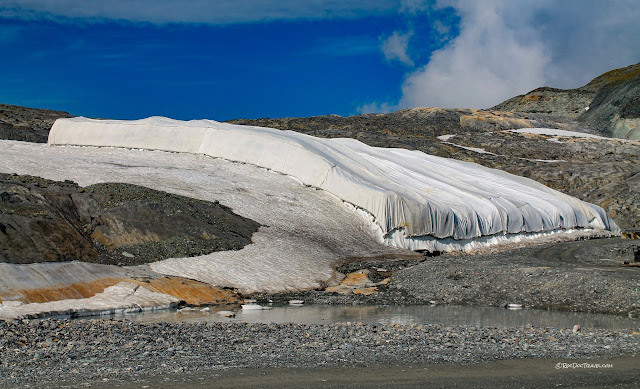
(123, 297)
(51, 275)
(304, 229)
(417, 193)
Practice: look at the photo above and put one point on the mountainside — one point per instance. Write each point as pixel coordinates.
(609, 104)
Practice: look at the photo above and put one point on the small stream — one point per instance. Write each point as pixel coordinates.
(413, 314)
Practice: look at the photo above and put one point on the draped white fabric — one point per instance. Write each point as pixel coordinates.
(408, 191)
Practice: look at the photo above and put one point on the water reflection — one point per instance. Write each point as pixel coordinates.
(416, 314)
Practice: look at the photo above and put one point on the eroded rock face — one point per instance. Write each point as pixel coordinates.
(44, 221)
(570, 103)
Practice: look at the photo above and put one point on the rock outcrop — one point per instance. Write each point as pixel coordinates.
(49, 221)
(609, 104)
(27, 124)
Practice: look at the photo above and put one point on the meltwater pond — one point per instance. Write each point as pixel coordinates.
(413, 314)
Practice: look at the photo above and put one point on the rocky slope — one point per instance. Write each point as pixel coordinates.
(609, 104)
(49, 221)
(27, 124)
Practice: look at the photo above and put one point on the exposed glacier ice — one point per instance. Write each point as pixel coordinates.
(120, 298)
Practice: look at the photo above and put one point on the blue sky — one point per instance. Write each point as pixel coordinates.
(259, 58)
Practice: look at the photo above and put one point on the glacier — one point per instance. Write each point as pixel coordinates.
(414, 198)
(304, 232)
(273, 177)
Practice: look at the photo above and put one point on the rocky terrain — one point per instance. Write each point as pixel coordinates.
(609, 104)
(597, 276)
(51, 353)
(83, 233)
(49, 221)
(27, 124)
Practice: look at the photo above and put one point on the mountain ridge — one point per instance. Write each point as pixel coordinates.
(608, 104)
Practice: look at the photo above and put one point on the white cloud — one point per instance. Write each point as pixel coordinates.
(509, 47)
(376, 108)
(395, 47)
(483, 65)
(412, 6)
(193, 11)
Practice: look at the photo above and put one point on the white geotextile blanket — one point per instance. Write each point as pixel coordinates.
(410, 191)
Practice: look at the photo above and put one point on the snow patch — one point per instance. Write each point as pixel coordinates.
(557, 132)
(474, 149)
(446, 137)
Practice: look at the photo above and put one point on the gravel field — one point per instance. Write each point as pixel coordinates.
(48, 352)
(578, 276)
(581, 276)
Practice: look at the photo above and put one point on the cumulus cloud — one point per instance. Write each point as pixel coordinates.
(395, 47)
(506, 48)
(192, 11)
(484, 64)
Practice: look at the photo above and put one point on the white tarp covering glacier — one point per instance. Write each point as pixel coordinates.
(411, 192)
